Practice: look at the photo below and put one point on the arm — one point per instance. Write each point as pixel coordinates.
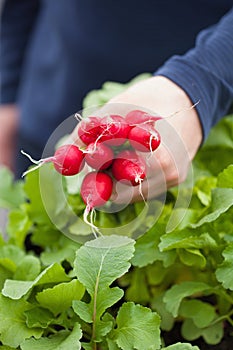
(204, 74)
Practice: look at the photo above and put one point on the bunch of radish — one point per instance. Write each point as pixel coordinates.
(110, 146)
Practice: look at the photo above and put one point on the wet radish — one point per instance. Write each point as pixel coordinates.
(129, 168)
(99, 156)
(68, 160)
(89, 129)
(114, 130)
(137, 116)
(96, 189)
(144, 138)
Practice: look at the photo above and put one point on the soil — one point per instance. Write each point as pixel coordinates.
(174, 336)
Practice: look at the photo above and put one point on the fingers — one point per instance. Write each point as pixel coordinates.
(180, 133)
(158, 182)
(166, 167)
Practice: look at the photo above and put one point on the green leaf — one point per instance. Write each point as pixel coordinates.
(134, 293)
(225, 178)
(147, 250)
(4, 274)
(224, 271)
(192, 257)
(112, 345)
(156, 273)
(203, 188)
(186, 240)
(80, 229)
(219, 144)
(13, 328)
(36, 208)
(177, 293)
(18, 225)
(95, 266)
(12, 253)
(59, 255)
(17, 289)
(62, 340)
(167, 320)
(200, 312)
(28, 269)
(212, 334)
(11, 192)
(137, 328)
(222, 200)
(63, 249)
(2, 241)
(181, 346)
(38, 317)
(181, 218)
(221, 134)
(83, 310)
(54, 195)
(101, 256)
(47, 237)
(10, 257)
(60, 297)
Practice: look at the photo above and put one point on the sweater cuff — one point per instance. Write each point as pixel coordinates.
(201, 87)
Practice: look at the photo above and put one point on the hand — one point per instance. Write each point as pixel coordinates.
(180, 130)
(8, 132)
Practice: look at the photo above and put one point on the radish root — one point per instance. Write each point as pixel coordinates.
(89, 210)
(184, 109)
(38, 163)
(140, 181)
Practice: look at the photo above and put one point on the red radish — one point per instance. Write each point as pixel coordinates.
(68, 160)
(96, 189)
(137, 116)
(99, 156)
(89, 129)
(114, 130)
(130, 167)
(144, 138)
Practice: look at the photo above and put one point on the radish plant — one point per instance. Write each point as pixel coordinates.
(139, 117)
(99, 156)
(171, 286)
(129, 168)
(68, 160)
(107, 162)
(144, 138)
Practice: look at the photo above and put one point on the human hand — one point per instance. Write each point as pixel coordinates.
(180, 131)
(8, 132)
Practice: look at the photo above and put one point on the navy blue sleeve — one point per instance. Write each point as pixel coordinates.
(205, 72)
(17, 20)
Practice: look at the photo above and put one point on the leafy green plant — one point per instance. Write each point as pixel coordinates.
(115, 292)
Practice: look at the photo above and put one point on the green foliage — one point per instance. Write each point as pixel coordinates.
(62, 341)
(117, 292)
(137, 328)
(13, 328)
(12, 194)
